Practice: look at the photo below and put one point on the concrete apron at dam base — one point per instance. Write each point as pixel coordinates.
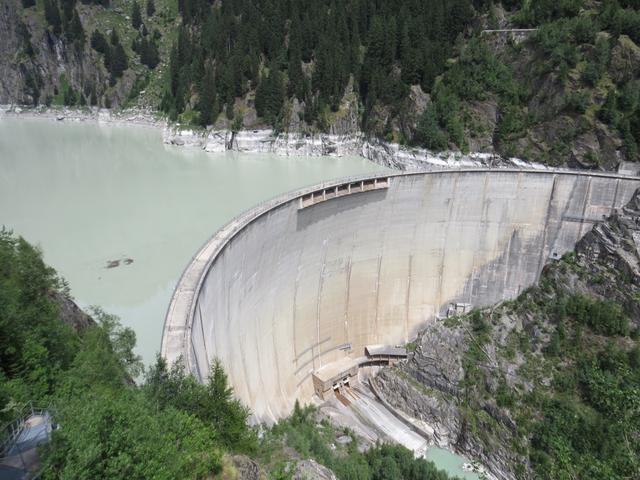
(313, 276)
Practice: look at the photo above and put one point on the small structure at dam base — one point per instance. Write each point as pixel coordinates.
(344, 372)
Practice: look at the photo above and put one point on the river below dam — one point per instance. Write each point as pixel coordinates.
(119, 214)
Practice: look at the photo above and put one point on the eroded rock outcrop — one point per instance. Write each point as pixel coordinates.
(71, 313)
(312, 470)
(36, 64)
(247, 468)
(391, 155)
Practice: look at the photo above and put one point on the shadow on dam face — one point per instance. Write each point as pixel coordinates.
(285, 289)
(321, 211)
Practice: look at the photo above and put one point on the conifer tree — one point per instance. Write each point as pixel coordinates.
(207, 103)
(116, 60)
(149, 55)
(296, 75)
(151, 8)
(52, 15)
(99, 43)
(136, 16)
(75, 31)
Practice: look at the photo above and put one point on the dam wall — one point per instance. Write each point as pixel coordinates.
(313, 276)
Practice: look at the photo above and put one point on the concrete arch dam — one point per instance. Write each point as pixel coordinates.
(313, 276)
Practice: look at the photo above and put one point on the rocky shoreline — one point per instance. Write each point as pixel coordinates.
(390, 155)
(132, 117)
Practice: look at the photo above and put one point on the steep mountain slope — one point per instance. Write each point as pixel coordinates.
(564, 93)
(435, 74)
(546, 386)
(64, 52)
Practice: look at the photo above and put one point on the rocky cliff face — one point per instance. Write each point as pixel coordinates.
(391, 155)
(469, 377)
(560, 120)
(430, 388)
(71, 313)
(36, 65)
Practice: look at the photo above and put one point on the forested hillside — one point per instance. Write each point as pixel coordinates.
(421, 73)
(317, 52)
(564, 94)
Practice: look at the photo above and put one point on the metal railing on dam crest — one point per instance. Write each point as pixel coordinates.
(280, 290)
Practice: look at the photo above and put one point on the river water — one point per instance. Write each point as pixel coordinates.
(93, 197)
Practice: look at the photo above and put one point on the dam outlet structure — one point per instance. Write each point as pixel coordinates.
(311, 278)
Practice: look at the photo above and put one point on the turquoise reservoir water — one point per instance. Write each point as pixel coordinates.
(450, 463)
(93, 196)
(90, 195)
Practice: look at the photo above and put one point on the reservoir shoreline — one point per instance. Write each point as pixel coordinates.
(265, 140)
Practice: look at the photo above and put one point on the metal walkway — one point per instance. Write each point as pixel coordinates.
(19, 459)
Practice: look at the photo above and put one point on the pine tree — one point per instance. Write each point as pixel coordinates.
(409, 61)
(377, 39)
(99, 42)
(114, 38)
(136, 16)
(75, 30)
(229, 110)
(429, 133)
(274, 94)
(149, 55)
(67, 12)
(296, 75)
(260, 101)
(117, 58)
(224, 411)
(151, 8)
(119, 62)
(207, 102)
(52, 15)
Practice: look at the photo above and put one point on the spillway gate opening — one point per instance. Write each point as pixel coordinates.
(331, 378)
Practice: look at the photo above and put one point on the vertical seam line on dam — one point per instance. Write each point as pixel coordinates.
(541, 259)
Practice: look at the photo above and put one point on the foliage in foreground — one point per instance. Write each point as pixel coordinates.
(313, 437)
(168, 427)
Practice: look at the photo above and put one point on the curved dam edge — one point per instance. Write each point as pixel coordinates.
(179, 317)
(557, 225)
